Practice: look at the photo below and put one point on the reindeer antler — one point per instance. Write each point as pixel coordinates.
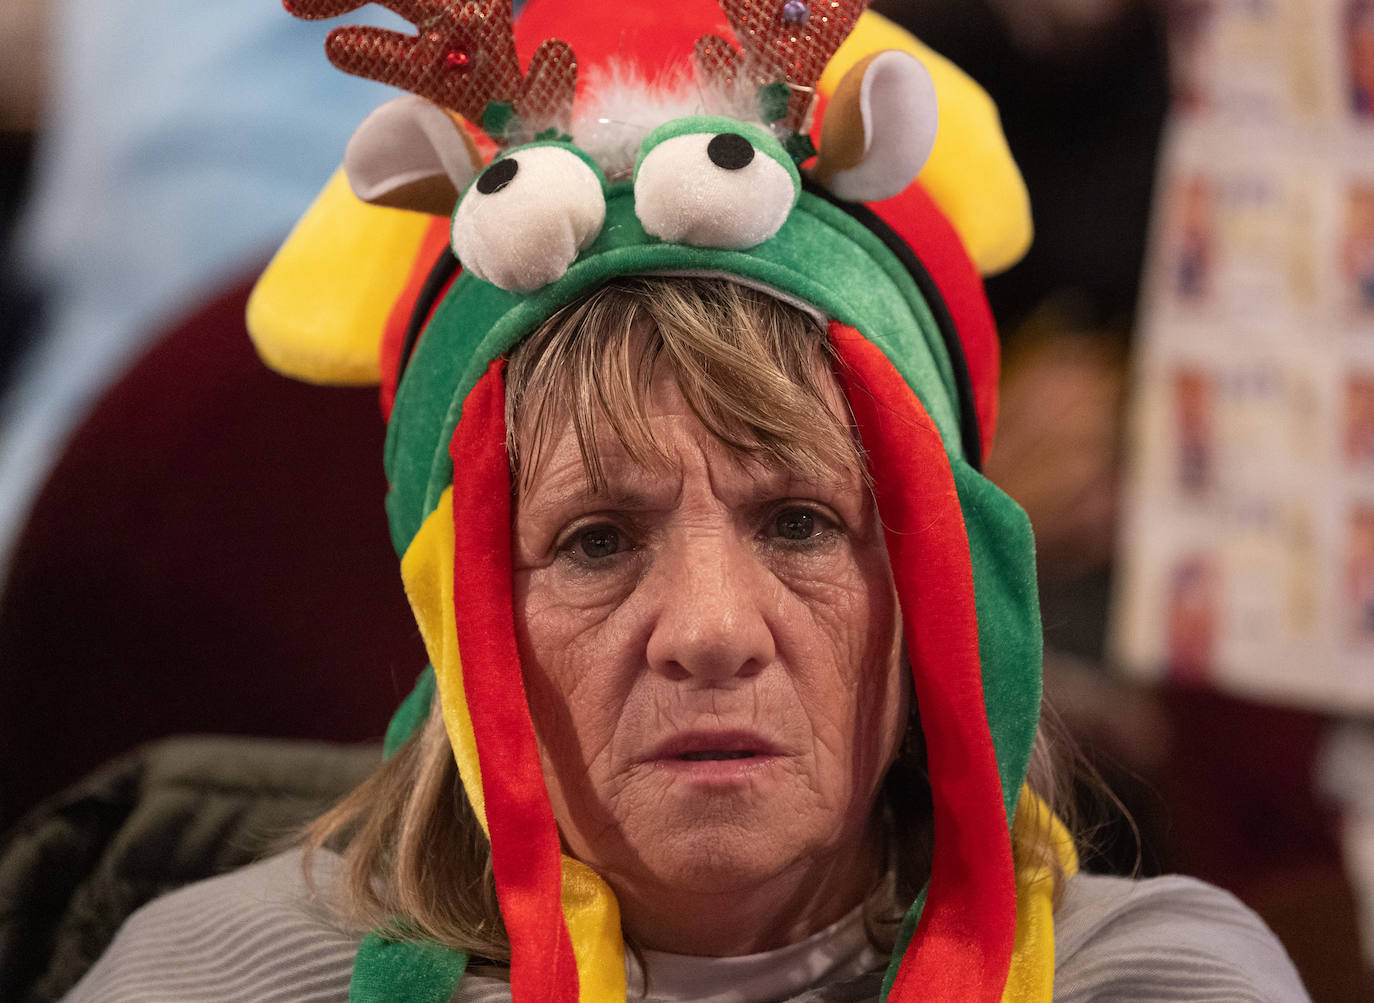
(462, 58)
(787, 44)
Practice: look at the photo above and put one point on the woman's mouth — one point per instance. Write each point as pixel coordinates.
(707, 755)
(719, 757)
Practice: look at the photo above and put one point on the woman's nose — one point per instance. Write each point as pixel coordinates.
(710, 600)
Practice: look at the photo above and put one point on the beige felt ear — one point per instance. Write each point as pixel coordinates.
(411, 154)
(971, 174)
(879, 128)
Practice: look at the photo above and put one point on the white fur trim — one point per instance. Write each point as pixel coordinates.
(621, 107)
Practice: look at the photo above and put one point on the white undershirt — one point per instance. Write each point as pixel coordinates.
(841, 950)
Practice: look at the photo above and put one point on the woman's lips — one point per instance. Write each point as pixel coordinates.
(707, 754)
(716, 755)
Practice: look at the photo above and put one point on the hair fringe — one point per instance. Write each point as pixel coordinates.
(752, 369)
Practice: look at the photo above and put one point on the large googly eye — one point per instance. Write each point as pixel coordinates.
(714, 182)
(525, 219)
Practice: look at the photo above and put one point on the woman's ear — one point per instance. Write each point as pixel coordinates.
(411, 154)
(879, 128)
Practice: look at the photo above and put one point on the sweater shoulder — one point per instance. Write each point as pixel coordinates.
(256, 934)
(1167, 938)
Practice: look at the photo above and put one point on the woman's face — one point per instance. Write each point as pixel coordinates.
(712, 662)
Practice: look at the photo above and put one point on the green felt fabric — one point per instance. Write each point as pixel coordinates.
(1002, 549)
(711, 125)
(902, 941)
(395, 971)
(774, 100)
(821, 256)
(499, 118)
(411, 714)
(799, 147)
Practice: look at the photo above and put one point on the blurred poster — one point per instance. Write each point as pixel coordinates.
(1247, 543)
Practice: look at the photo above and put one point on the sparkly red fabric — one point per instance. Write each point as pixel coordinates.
(717, 60)
(777, 48)
(462, 57)
(549, 86)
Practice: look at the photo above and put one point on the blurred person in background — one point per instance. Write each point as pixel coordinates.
(1082, 88)
(164, 170)
(22, 48)
(165, 166)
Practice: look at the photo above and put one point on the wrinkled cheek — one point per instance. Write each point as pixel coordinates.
(543, 668)
(877, 701)
(574, 728)
(606, 820)
(556, 644)
(881, 714)
(581, 809)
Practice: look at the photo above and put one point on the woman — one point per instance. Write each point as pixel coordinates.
(707, 625)
(736, 654)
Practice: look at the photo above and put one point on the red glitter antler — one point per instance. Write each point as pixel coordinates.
(461, 58)
(786, 43)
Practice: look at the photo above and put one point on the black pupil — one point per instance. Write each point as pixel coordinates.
(497, 176)
(730, 151)
(796, 525)
(602, 541)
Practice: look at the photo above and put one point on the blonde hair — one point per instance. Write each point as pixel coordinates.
(753, 369)
(757, 373)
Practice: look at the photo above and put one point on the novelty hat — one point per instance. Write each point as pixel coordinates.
(809, 149)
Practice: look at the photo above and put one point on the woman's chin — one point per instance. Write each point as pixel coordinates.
(714, 844)
(730, 886)
(718, 859)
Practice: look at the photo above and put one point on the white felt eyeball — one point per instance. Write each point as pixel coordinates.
(727, 189)
(526, 218)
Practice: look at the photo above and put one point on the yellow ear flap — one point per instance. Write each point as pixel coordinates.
(319, 311)
(970, 174)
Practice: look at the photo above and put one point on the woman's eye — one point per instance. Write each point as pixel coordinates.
(797, 525)
(596, 543)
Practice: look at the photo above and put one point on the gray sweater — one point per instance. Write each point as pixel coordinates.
(255, 936)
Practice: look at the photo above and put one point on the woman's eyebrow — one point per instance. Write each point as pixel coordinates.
(780, 481)
(573, 488)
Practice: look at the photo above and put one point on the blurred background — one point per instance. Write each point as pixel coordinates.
(191, 544)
